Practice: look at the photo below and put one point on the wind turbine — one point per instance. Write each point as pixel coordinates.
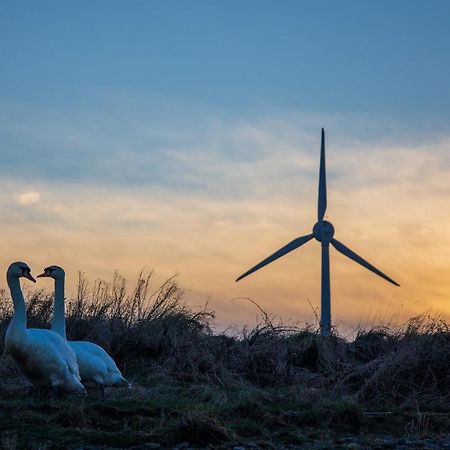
(323, 231)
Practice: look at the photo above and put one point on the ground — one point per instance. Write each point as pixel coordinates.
(167, 414)
(274, 386)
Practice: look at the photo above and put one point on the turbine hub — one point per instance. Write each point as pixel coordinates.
(323, 231)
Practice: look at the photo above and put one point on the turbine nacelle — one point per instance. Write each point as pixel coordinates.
(323, 231)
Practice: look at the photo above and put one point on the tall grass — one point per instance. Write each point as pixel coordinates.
(150, 331)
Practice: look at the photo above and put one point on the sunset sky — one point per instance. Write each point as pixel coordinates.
(184, 136)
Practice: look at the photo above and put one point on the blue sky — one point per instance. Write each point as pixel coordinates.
(387, 57)
(109, 67)
(170, 117)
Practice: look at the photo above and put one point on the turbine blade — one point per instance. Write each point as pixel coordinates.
(286, 249)
(322, 203)
(340, 247)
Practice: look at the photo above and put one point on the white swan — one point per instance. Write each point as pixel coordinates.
(97, 368)
(42, 356)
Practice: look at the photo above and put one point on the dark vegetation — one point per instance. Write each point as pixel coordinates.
(270, 387)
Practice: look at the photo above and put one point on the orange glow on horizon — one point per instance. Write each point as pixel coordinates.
(392, 214)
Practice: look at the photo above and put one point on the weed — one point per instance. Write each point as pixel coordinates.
(274, 384)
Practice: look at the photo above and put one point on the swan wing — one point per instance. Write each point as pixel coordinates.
(37, 360)
(46, 360)
(68, 376)
(96, 365)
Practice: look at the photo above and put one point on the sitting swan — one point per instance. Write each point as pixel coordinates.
(97, 368)
(42, 356)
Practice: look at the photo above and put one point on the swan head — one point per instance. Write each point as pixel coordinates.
(20, 269)
(54, 272)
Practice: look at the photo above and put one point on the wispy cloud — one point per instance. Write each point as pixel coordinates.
(28, 198)
(210, 200)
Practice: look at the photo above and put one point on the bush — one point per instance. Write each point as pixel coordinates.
(152, 332)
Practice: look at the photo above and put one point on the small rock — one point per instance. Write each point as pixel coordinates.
(350, 440)
(147, 446)
(249, 445)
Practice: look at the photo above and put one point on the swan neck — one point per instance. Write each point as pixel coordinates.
(59, 318)
(19, 319)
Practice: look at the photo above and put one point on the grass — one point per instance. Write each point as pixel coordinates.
(268, 387)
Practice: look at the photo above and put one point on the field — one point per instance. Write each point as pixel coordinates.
(270, 387)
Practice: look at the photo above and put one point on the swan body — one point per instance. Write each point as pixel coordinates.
(43, 357)
(97, 368)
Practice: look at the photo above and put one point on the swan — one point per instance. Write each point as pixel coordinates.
(97, 368)
(43, 357)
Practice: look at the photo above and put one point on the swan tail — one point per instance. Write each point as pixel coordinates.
(77, 388)
(120, 381)
(81, 391)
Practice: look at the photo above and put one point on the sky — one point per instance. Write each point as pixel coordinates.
(184, 137)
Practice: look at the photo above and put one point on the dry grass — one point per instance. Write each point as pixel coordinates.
(191, 384)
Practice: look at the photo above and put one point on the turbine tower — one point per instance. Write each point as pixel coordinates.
(323, 231)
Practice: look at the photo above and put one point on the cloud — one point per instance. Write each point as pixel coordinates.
(28, 198)
(132, 146)
(210, 201)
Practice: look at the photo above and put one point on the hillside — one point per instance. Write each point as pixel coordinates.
(270, 387)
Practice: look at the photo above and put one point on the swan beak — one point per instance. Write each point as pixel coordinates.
(30, 277)
(43, 275)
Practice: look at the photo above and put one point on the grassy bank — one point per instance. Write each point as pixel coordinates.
(268, 387)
